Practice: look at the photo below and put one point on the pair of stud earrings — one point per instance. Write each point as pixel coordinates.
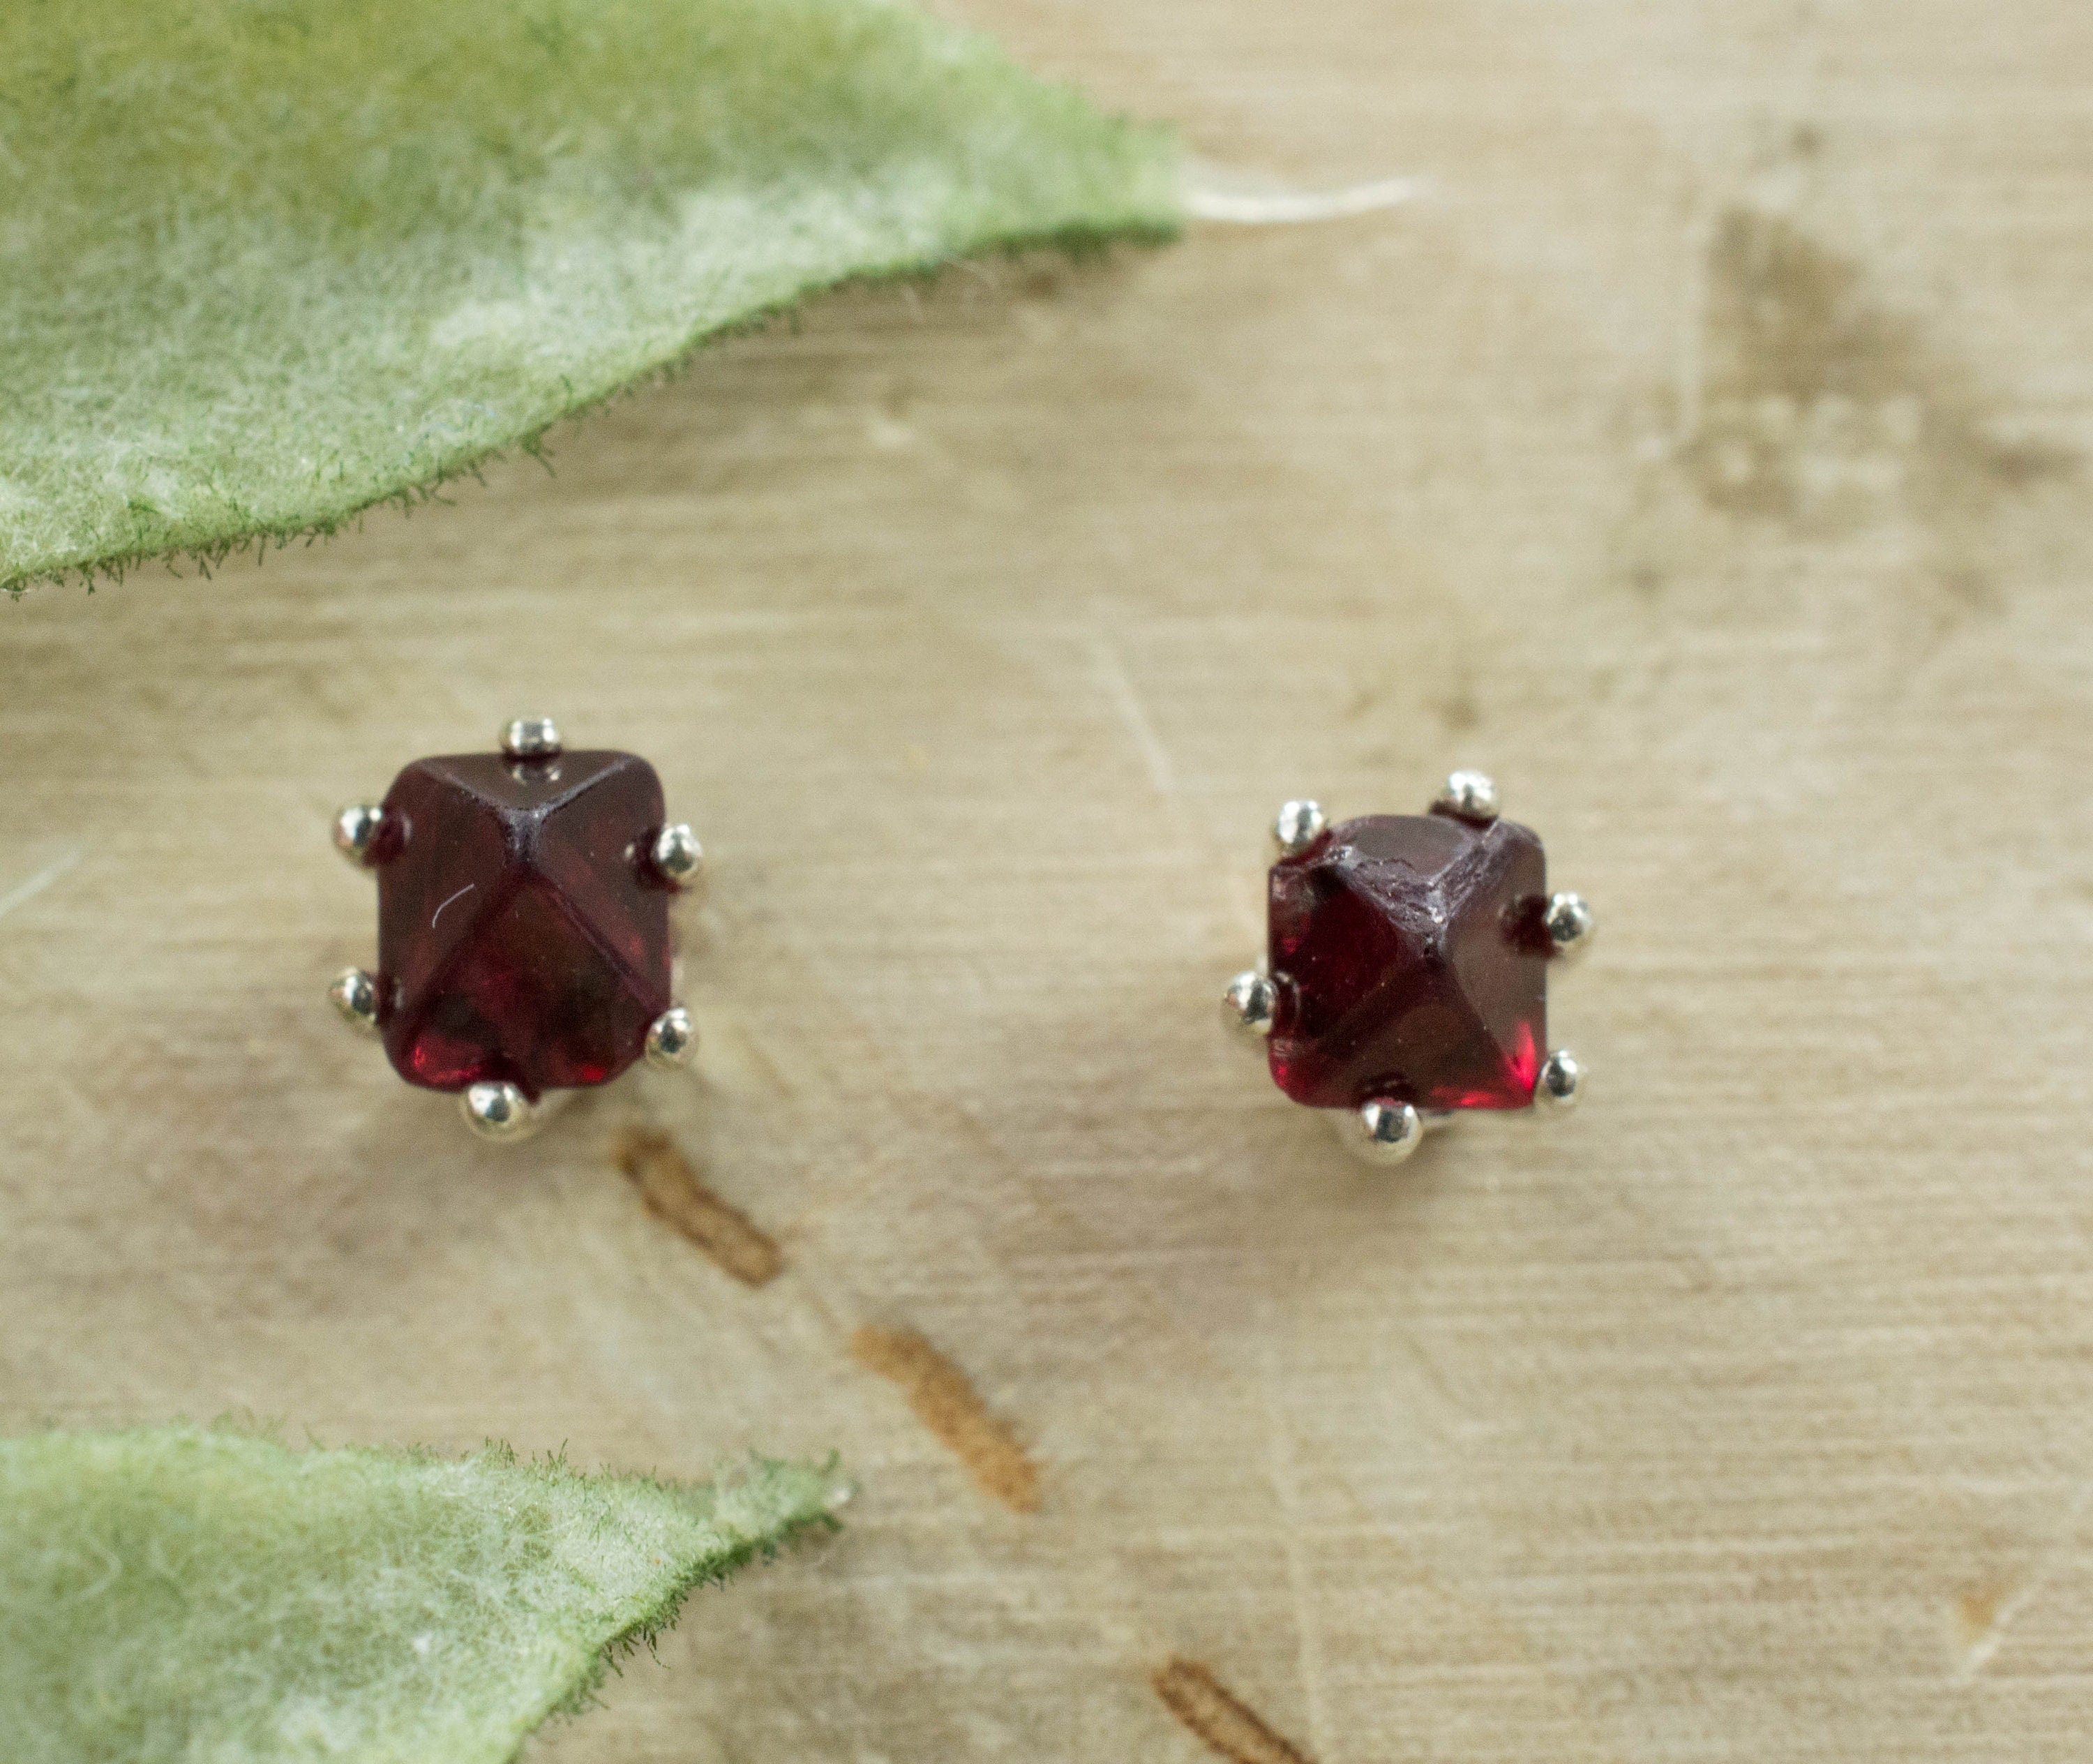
(525, 948)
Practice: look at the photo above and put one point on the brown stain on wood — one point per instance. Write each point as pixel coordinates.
(1977, 1608)
(1806, 400)
(673, 1192)
(1818, 401)
(946, 1401)
(1227, 1725)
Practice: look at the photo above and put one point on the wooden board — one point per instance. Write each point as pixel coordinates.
(1704, 457)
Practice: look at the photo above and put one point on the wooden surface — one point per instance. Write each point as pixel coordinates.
(1704, 458)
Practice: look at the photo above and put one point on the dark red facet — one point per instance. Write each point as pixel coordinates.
(521, 933)
(1413, 965)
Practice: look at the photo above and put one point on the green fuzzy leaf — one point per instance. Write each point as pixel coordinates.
(266, 262)
(183, 1595)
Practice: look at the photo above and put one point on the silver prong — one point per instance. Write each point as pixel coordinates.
(498, 1110)
(1299, 825)
(1570, 924)
(1382, 1132)
(1468, 796)
(1561, 1082)
(356, 830)
(672, 1039)
(530, 738)
(354, 994)
(1249, 1004)
(677, 856)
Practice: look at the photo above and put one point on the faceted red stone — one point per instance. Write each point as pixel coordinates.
(522, 934)
(1412, 964)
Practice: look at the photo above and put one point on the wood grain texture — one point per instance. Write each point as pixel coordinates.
(1705, 459)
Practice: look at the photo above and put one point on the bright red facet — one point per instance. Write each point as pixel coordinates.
(1412, 965)
(520, 934)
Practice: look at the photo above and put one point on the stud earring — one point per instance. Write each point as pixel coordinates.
(523, 938)
(1405, 978)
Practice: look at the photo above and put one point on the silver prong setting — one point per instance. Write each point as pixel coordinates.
(1382, 1132)
(530, 738)
(1249, 1006)
(356, 830)
(1469, 796)
(1297, 826)
(677, 856)
(1561, 1082)
(672, 1040)
(355, 995)
(499, 1111)
(1570, 924)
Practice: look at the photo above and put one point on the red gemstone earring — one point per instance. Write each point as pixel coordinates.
(1407, 975)
(523, 936)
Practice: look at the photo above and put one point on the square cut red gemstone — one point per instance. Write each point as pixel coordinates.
(1412, 963)
(522, 934)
